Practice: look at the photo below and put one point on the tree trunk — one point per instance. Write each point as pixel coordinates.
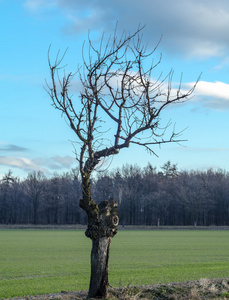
(99, 267)
(102, 226)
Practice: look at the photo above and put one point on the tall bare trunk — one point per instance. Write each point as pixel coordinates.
(101, 230)
(99, 267)
(102, 226)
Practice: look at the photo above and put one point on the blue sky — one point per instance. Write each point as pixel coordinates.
(33, 136)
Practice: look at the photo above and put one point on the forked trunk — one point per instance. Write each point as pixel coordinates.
(99, 267)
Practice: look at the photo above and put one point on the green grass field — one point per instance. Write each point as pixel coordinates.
(47, 261)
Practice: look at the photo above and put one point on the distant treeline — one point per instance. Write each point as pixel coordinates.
(146, 196)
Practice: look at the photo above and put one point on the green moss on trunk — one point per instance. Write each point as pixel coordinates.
(102, 226)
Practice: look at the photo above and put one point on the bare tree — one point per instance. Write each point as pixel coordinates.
(119, 101)
(34, 190)
(6, 196)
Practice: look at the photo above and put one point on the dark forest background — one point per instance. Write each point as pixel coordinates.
(146, 196)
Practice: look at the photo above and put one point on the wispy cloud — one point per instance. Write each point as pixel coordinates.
(46, 165)
(224, 62)
(56, 162)
(203, 149)
(37, 4)
(12, 148)
(21, 163)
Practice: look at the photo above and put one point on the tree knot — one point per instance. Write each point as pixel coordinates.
(105, 225)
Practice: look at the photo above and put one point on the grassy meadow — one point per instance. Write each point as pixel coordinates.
(47, 261)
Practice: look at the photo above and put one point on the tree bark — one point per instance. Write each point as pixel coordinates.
(102, 226)
(99, 267)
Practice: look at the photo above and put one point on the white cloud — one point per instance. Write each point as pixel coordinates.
(212, 94)
(193, 27)
(20, 162)
(214, 89)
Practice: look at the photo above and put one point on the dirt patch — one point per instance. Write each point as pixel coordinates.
(190, 290)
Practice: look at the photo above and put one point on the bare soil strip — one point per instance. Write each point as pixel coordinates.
(190, 290)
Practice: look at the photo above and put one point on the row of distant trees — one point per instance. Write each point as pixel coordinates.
(146, 196)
